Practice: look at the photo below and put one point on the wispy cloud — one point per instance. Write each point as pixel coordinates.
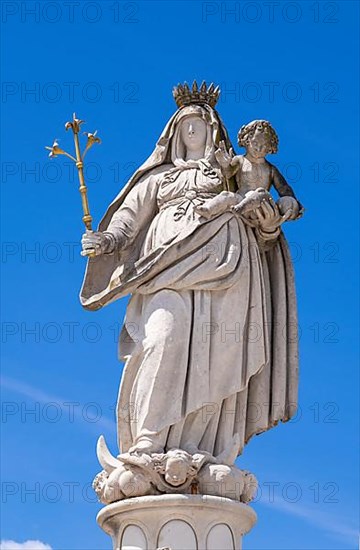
(328, 522)
(27, 545)
(38, 395)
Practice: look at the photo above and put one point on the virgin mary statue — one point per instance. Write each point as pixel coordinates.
(209, 339)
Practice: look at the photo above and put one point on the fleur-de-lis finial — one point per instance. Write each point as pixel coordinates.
(74, 124)
(55, 150)
(91, 139)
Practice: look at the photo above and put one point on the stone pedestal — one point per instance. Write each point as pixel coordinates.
(177, 522)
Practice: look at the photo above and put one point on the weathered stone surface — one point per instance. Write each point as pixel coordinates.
(132, 475)
(177, 522)
(210, 335)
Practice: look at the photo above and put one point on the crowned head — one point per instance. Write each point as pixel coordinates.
(185, 95)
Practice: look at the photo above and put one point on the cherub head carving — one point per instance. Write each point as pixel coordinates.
(178, 466)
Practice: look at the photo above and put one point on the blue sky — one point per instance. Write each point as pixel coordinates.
(115, 63)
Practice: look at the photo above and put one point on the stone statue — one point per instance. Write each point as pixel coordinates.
(210, 335)
(259, 138)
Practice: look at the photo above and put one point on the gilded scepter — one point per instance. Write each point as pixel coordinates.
(55, 150)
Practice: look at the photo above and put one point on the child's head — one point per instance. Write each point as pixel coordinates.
(258, 137)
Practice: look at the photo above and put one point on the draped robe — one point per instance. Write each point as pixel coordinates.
(210, 335)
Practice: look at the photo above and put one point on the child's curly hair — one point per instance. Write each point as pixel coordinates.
(247, 131)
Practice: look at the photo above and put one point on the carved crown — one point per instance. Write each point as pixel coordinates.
(184, 95)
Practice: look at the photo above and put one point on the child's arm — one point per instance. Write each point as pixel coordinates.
(280, 183)
(235, 165)
(289, 202)
(228, 162)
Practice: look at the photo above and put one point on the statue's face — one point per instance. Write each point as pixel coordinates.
(193, 133)
(258, 145)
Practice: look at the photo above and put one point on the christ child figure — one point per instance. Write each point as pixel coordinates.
(254, 176)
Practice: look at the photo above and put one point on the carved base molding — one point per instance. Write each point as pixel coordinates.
(177, 522)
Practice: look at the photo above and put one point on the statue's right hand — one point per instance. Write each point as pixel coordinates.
(95, 243)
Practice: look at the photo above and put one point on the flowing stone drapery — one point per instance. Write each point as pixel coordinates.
(215, 350)
(210, 335)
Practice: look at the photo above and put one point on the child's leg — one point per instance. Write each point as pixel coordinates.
(217, 205)
(252, 200)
